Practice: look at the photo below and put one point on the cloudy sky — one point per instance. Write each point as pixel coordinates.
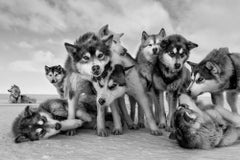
(33, 31)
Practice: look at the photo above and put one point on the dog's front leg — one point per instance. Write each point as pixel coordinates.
(101, 130)
(231, 97)
(116, 119)
(160, 111)
(132, 102)
(172, 102)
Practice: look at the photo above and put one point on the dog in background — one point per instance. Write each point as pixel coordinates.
(170, 74)
(87, 58)
(219, 71)
(16, 97)
(204, 126)
(56, 75)
(135, 88)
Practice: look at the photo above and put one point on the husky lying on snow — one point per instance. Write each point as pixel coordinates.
(204, 126)
(49, 119)
(16, 97)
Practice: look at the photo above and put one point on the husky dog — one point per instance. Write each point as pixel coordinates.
(219, 71)
(135, 87)
(56, 76)
(170, 74)
(16, 97)
(205, 126)
(43, 122)
(88, 57)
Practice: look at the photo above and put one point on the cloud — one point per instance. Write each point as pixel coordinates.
(24, 44)
(36, 62)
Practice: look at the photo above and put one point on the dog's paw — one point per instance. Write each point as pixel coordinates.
(117, 131)
(156, 132)
(140, 125)
(172, 136)
(71, 132)
(102, 132)
(169, 129)
(133, 127)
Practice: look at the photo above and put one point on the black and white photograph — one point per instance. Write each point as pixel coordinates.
(119, 79)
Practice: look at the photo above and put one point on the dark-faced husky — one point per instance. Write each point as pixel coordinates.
(43, 122)
(56, 76)
(204, 126)
(16, 97)
(219, 71)
(135, 88)
(110, 87)
(170, 74)
(87, 58)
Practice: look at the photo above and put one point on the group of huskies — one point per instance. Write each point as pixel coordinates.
(99, 72)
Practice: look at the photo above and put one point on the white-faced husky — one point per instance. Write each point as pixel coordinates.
(88, 57)
(109, 87)
(16, 96)
(219, 71)
(170, 74)
(56, 75)
(135, 87)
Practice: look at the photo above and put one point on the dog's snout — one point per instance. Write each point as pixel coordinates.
(53, 81)
(58, 126)
(95, 68)
(155, 50)
(188, 92)
(101, 101)
(177, 65)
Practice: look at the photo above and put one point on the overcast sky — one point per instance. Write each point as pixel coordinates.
(33, 31)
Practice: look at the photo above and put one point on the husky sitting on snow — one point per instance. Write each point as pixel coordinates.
(16, 97)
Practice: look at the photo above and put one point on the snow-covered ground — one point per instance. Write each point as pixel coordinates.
(87, 145)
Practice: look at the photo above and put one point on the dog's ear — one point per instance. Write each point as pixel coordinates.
(191, 45)
(104, 31)
(108, 41)
(144, 36)
(27, 111)
(46, 69)
(59, 67)
(21, 138)
(164, 43)
(162, 32)
(223, 50)
(71, 49)
(213, 67)
(192, 64)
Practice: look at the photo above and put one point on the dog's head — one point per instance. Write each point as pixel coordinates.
(90, 54)
(207, 75)
(34, 125)
(116, 46)
(194, 128)
(15, 91)
(112, 87)
(150, 44)
(175, 51)
(55, 74)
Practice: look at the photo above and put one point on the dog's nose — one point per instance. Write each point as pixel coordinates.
(58, 126)
(101, 101)
(188, 92)
(155, 50)
(95, 68)
(53, 81)
(177, 65)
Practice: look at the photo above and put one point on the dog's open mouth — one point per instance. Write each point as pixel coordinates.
(189, 116)
(96, 73)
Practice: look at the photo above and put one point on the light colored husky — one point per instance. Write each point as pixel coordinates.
(219, 71)
(135, 87)
(170, 74)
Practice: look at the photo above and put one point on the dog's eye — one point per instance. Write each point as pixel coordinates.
(200, 80)
(171, 54)
(44, 119)
(100, 56)
(114, 41)
(85, 58)
(114, 85)
(150, 45)
(39, 130)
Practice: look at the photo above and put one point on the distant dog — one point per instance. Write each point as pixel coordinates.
(88, 57)
(56, 76)
(43, 122)
(170, 74)
(109, 87)
(16, 97)
(219, 71)
(135, 88)
(205, 126)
